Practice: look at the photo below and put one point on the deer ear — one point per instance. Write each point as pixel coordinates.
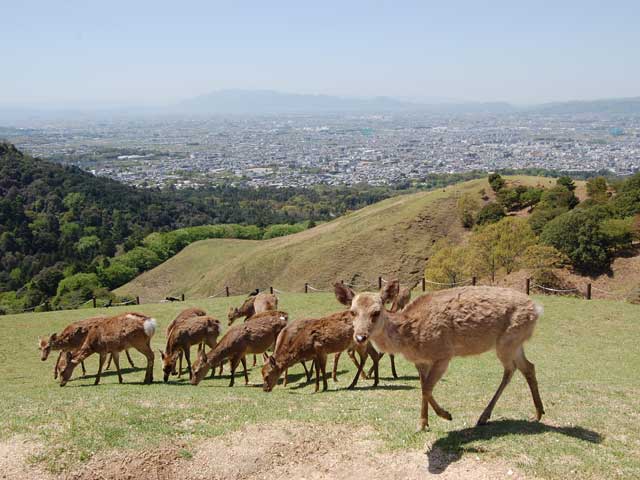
(390, 290)
(272, 361)
(343, 293)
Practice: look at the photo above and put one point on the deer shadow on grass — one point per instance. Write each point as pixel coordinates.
(450, 448)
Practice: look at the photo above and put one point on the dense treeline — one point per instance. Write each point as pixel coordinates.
(559, 231)
(67, 235)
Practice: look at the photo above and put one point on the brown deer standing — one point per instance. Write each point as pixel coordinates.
(184, 315)
(313, 339)
(262, 302)
(398, 302)
(69, 339)
(255, 336)
(436, 327)
(184, 334)
(112, 335)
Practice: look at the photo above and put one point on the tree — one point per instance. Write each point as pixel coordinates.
(492, 212)
(468, 207)
(597, 189)
(566, 182)
(500, 245)
(579, 236)
(447, 264)
(496, 182)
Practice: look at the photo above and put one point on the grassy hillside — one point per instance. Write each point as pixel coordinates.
(586, 361)
(390, 238)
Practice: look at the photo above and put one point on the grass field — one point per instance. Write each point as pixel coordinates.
(586, 355)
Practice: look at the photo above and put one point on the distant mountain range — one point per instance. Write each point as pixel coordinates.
(269, 102)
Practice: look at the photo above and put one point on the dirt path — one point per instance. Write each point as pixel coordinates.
(282, 450)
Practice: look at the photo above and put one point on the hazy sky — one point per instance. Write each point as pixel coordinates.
(156, 52)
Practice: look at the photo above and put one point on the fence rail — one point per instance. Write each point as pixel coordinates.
(227, 291)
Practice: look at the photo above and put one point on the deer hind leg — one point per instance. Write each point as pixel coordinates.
(180, 364)
(103, 357)
(145, 349)
(393, 365)
(108, 363)
(375, 358)
(529, 371)
(254, 361)
(334, 372)
(116, 361)
(428, 379)
(307, 372)
(129, 359)
(323, 369)
(506, 357)
(316, 362)
(84, 370)
(244, 368)
(370, 372)
(360, 366)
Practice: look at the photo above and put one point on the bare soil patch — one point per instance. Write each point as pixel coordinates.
(281, 450)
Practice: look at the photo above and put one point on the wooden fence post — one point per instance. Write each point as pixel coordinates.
(379, 283)
(94, 301)
(182, 297)
(588, 291)
(473, 281)
(306, 287)
(424, 285)
(226, 290)
(271, 290)
(137, 300)
(528, 285)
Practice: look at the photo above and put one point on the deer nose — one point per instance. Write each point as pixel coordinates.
(361, 338)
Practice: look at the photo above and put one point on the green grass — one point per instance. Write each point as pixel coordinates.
(586, 356)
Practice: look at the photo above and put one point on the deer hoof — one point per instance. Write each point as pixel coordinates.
(423, 425)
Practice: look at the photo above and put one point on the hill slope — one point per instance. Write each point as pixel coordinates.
(390, 238)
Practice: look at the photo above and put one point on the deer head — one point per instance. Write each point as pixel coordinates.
(234, 313)
(44, 344)
(199, 368)
(270, 374)
(366, 309)
(66, 368)
(168, 364)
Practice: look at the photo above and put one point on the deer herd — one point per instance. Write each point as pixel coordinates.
(428, 332)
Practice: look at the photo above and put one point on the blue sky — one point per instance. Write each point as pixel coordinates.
(59, 52)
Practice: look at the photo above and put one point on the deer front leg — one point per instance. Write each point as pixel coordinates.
(57, 365)
(103, 357)
(428, 380)
(116, 362)
(129, 358)
(360, 366)
(108, 363)
(187, 357)
(317, 364)
(234, 364)
(84, 370)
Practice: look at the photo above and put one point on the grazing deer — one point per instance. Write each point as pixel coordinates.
(436, 327)
(183, 316)
(112, 335)
(255, 336)
(192, 331)
(256, 303)
(262, 302)
(69, 339)
(313, 339)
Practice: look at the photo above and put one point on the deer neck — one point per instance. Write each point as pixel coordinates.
(385, 339)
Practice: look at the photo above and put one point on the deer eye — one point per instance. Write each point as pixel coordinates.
(352, 313)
